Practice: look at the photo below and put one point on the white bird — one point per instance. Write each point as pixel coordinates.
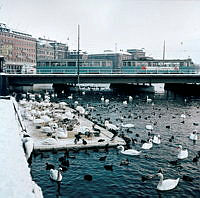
(125, 103)
(56, 174)
(49, 141)
(128, 125)
(167, 184)
(102, 99)
(70, 97)
(156, 139)
(182, 153)
(110, 126)
(193, 135)
(147, 145)
(183, 116)
(107, 101)
(130, 98)
(80, 109)
(28, 146)
(129, 151)
(149, 99)
(149, 127)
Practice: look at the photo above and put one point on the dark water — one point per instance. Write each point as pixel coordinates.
(125, 181)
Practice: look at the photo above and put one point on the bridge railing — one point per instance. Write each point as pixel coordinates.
(104, 71)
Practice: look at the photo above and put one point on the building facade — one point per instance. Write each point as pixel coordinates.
(18, 50)
(50, 49)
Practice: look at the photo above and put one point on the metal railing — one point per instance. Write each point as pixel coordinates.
(102, 71)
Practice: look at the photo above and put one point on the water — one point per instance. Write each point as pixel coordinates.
(125, 181)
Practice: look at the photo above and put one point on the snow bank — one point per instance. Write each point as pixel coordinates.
(15, 178)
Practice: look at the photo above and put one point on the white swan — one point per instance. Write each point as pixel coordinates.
(125, 103)
(102, 99)
(147, 145)
(129, 151)
(149, 99)
(62, 132)
(128, 125)
(149, 127)
(167, 184)
(56, 174)
(130, 98)
(193, 135)
(182, 153)
(156, 139)
(28, 146)
(49, 141)
(110, 126)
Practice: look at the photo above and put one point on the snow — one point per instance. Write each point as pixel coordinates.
(15, 178)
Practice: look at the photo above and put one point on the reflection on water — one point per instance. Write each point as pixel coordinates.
(125, 181)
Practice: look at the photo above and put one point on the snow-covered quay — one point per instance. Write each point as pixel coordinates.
(15, 177)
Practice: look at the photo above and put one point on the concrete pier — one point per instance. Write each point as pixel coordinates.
(104, 138)
(15, 178)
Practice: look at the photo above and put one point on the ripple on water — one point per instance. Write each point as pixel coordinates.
(125, 181)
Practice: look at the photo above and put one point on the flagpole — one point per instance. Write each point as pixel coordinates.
(78, 63)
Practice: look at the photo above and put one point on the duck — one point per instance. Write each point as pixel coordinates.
(182, 153)
(167, 184)
(56, 174)
(129, 151)
(156, 139)
(193, 135)
(147, 145)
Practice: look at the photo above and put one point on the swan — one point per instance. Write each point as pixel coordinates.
(147, 145)
(70, 97)
(128, 125)
(56, 174)
(167, 184)
(49, 141)
(102, 99)
(80, 109)
(182, 153)
(149, 127)
(62, 132)
(107, 101)
(193, 135)
(129, 151)
(125, 103)
(28, 146)
(156, 139)
(130, 98)
(110, 126)
(149, 99)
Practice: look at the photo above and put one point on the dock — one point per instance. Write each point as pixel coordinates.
(35, 131)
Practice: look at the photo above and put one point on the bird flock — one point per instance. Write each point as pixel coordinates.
(46, 113)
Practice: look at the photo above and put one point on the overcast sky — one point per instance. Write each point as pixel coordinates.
(103, 23)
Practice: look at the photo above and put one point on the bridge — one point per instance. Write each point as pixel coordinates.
(7, 80)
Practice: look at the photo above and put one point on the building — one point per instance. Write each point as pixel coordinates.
(136, 53)
(51, 49)
(115, 57)
(18, 50)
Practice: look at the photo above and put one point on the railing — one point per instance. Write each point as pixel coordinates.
(104, 71)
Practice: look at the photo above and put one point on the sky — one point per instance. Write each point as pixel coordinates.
(111, 24)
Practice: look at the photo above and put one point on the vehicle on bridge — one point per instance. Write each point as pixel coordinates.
(95, 66)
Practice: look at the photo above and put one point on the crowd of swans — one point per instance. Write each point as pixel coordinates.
(50, 118)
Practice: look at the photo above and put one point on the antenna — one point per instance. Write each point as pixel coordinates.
(164, 51)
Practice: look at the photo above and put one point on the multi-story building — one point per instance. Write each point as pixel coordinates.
(50, 49)
(115, 57)
(18, 49)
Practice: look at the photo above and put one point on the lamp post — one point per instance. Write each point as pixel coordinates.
(78, 63)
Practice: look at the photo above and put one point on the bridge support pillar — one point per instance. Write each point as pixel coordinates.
(3, 85)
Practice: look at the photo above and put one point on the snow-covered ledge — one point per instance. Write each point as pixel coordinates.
(15, 178)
